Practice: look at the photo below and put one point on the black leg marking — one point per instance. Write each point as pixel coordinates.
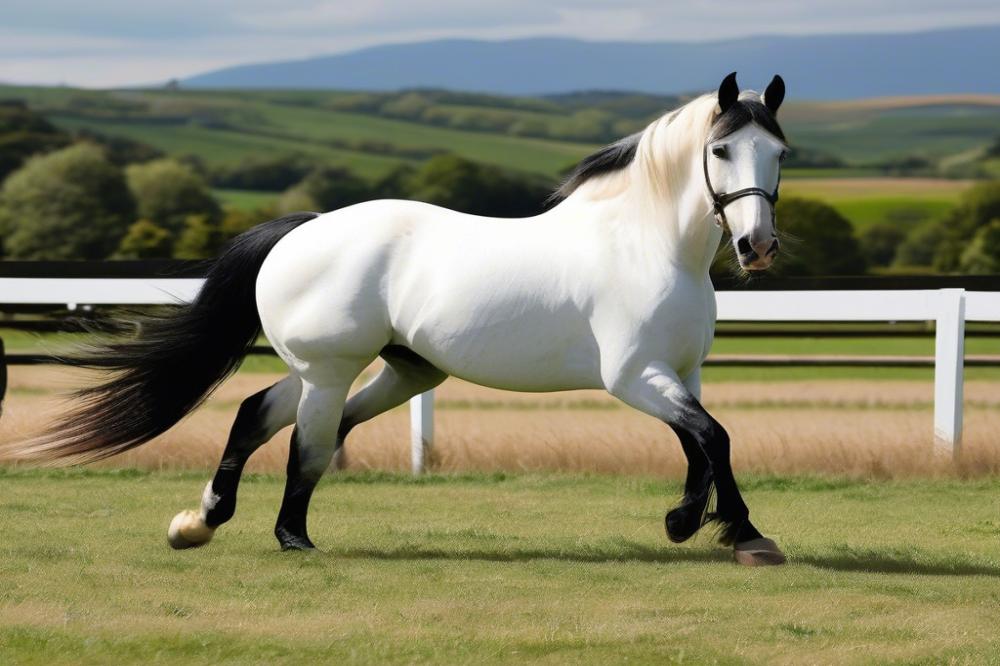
(731, 513)
(291, 526)
(247, 434)
(690, 515)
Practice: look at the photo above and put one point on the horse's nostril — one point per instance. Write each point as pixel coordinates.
(743, 246)
(773, 249)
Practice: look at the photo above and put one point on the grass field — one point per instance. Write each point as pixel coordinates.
(866, 201)
(496, 568)
(245, 199)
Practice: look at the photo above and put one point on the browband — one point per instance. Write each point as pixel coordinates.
(720, 201)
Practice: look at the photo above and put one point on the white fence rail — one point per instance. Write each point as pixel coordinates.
(948, 308)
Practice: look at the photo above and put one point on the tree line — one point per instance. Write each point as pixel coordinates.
(88, 196)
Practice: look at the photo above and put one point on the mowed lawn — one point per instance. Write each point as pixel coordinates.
(496, 569)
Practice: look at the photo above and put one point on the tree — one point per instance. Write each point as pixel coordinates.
(982, 256)
(69, 204)
(272, 174)
(942, 244)
(167, 192)
(24, 133)
(201, 238)
(237, 220)
(880, 241)
(818, 240)
(460, 184)
(145, 240)
(921, 246)
(120, 150)
(325, 188)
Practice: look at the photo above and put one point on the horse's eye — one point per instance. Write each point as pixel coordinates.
(719, 151)
(782, 156)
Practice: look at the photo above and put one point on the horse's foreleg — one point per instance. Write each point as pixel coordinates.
(314, 441)
(658, 391)
(689, 515)
(259, 418)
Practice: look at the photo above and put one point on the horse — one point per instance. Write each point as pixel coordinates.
(606, 289)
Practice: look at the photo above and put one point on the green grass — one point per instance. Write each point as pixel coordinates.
(864, 132)
(216, 146)
(867, 201)
(496, 569)
(258, 126)
(245, 199)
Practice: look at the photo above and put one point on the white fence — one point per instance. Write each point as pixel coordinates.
(949, 308)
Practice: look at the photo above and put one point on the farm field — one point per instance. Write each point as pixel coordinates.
(873, 428)
(865, 201)
(496, 568)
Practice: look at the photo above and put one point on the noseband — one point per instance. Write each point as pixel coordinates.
(720, 201)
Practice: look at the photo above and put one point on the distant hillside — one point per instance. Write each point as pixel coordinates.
(374, 132)
(816, 67)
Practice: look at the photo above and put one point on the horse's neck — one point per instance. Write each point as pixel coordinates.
(680, 233)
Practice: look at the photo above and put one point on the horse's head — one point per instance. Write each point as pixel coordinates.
(742, 167)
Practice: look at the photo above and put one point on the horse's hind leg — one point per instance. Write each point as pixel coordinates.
(405, 375)
(314, 441)
(259, 418)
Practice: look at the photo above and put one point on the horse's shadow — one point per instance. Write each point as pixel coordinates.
(859, 561)
(894, 562)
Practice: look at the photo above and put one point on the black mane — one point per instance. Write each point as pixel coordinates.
(621, 153)
(610, 158)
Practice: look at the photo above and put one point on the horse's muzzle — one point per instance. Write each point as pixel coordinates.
(756, 256)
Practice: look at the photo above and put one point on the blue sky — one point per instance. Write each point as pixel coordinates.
(116, 42)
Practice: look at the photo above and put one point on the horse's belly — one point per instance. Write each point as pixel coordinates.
(530, 352)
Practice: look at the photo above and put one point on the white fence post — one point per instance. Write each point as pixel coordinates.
(949, 362)
(421, 428)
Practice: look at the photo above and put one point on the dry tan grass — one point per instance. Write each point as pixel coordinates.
(865, 428)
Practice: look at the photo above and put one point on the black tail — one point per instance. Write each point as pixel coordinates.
(174, 363)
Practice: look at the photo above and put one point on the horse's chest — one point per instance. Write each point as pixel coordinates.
(676, 327)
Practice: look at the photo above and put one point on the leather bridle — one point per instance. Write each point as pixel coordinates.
(720, 201)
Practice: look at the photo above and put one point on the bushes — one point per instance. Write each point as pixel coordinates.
(963, 240)
(818, 240)
(24, 133)
(167, 192)
(70, 204)
(263, 174)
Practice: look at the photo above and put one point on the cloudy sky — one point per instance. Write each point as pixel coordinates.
(119, 42)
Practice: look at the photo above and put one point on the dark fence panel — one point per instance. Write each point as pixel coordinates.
(166, 268)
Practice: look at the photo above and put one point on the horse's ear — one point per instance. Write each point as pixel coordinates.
(729, 92)
(774, 94)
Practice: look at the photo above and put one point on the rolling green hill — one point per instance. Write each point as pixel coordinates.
(845, 149)
(371, 132)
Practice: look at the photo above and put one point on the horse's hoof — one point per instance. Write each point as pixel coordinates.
(760, 552)
(681, 523)
(289, 540)
(188, 530)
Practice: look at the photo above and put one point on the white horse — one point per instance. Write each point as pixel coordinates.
(608, 289)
